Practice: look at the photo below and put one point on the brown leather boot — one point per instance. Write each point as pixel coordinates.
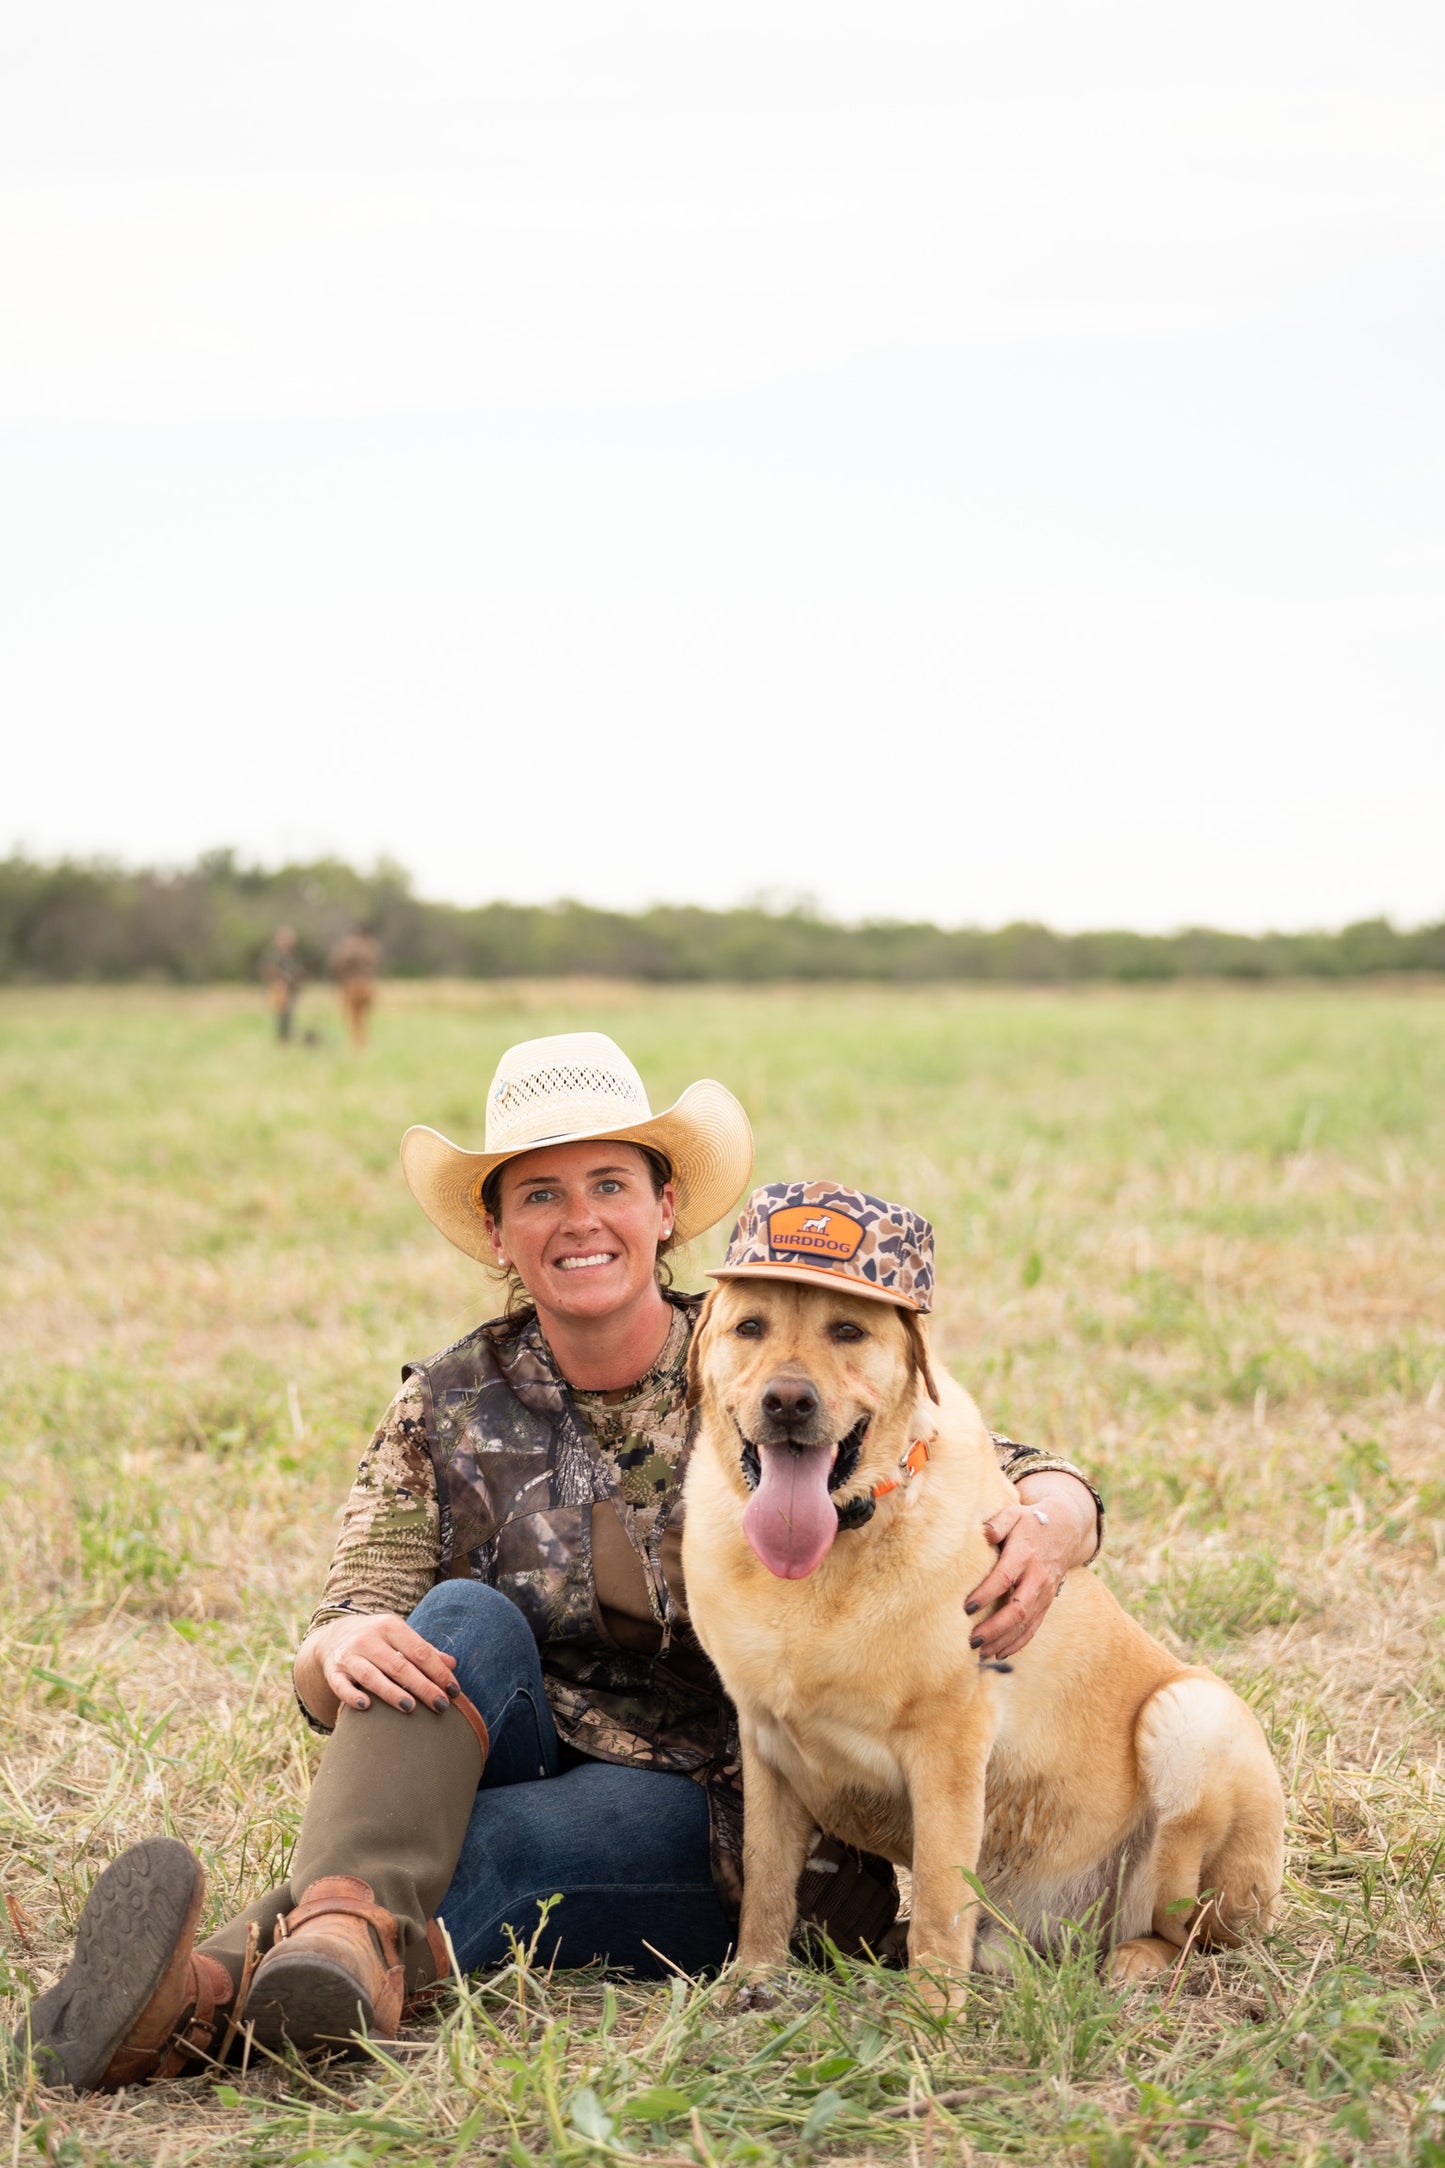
(137, 2001)
(380, 1840)
(333, 1971)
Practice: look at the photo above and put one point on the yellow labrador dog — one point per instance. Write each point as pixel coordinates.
(835, 1501)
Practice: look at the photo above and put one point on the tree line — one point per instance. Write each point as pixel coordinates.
(90, 920)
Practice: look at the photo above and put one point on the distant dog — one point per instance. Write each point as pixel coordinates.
(835, 1502)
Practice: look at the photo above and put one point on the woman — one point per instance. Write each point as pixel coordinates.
(517, 1706)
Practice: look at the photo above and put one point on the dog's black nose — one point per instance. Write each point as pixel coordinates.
(789, 1400)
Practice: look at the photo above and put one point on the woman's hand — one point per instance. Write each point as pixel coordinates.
(1053, 1529)
(375, 1654)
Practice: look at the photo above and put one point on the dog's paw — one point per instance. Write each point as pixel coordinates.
(1135, 1964)
(762, 1987)
(941, 1986)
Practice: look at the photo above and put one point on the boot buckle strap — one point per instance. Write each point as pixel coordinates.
(213, 1990)
(478, 1722)
(423, 1997)
(390, 2001)
(355, 1908)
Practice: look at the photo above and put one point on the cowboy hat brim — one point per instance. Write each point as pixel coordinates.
(705, 1136)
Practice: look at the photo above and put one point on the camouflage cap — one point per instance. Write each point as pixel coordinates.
(810, 1231)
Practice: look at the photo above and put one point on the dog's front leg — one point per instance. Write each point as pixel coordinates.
(946, 1792)
(777, 1829)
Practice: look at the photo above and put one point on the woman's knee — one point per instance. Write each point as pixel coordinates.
(476, 1624)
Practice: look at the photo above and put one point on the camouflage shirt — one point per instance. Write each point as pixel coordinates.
(486, 1465)
(641, 1432)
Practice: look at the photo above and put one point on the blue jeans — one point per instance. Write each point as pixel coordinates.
(626, 1850)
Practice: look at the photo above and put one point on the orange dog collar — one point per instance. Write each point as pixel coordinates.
(910, 1465)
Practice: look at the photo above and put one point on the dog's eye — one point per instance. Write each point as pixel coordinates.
(846, 1330)
(749, 1328)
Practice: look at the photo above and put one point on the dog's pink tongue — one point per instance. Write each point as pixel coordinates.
(790, 1520)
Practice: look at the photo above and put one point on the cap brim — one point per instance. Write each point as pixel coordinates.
(705, 1136)
(815, 1276)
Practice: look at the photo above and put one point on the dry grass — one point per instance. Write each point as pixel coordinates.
(1192, 1237)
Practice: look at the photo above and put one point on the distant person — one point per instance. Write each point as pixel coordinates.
(281, 969)
(355, 962)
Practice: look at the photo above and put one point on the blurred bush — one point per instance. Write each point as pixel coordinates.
(95, 920)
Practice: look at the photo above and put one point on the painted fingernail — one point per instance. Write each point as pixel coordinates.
(362, 1702)
(970, 1608)
(1006, 1668)
(452, 1687)
(441, 1705)
(407, 1703)
(976, 1642)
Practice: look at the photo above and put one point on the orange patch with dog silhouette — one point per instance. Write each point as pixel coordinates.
(808, 1230)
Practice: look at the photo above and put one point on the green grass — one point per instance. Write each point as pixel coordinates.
(1191, 1237)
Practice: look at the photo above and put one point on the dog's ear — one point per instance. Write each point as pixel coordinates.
(694, 1351)
(918, 1349)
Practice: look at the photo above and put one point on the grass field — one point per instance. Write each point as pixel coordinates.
(1193, 1238)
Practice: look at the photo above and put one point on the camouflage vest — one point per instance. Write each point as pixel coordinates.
(518, 1475)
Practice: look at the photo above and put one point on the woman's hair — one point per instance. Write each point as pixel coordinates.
(518, 1300)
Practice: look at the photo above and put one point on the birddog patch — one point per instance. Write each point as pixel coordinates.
(803, 1231)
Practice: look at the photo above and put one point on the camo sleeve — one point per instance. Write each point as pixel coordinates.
(387, 1552)
(1018, 1461)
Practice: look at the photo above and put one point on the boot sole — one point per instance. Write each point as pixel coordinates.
(308, 2002)
(134, 1918)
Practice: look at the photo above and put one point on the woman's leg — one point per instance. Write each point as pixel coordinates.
(500, 1672)
(393, 1795)
(385, 1823)
(394, 1805)
(626, 1850)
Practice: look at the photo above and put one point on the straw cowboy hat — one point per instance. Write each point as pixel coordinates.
(562, 1090)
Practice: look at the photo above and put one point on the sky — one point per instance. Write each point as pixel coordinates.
(965, 462)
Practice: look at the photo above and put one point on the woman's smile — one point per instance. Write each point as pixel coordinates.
(581, 1224)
